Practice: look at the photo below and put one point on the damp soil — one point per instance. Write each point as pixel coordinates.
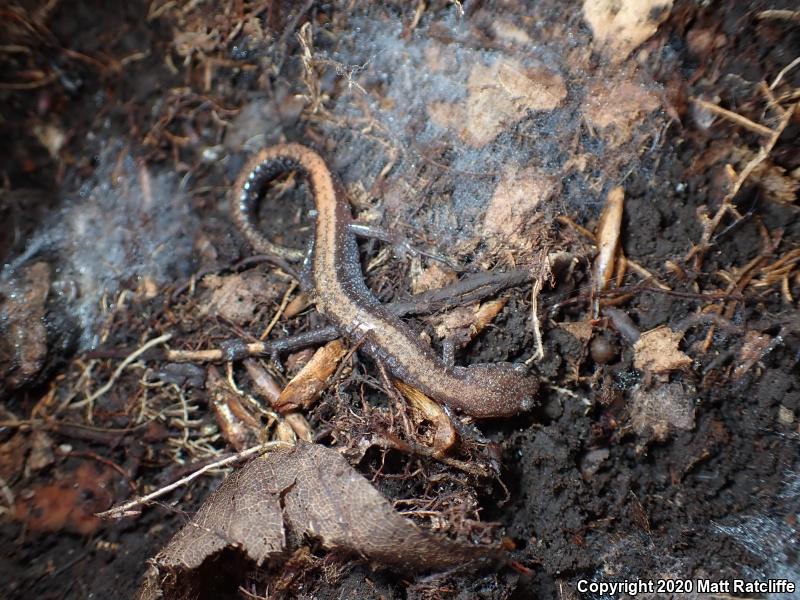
(583, 495)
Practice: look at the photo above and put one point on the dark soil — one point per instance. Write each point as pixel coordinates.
(588, 495)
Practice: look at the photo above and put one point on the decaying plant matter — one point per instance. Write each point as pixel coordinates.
(276, 502)
(606, 190)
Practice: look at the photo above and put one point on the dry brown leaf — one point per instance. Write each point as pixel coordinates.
(514, 205)
(70, 502)
(778, 186)
(424, 409)
(297, 305)
(609, 228)
(657, 351)
(486, 313)
(615, 108)
(270, 506)
(237, 297)
(657, 412)
(305, 387)
(619, 26)
(499, 96)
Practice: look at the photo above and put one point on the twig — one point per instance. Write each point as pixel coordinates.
(469, 289)
(734, 117)
(280, 310)
(123, 365)
(783, 72)
(727, 202)
(31, 85)
(648, 276)
(788, 15)
(537, 331)
(565, 220)
(124, 510)
(8, 495)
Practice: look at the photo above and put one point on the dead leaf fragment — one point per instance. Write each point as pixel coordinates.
(778, 186)
(514, 205)
(23, 335)
(70, 502)
(444, 435)
(430, 278)
(657, 412)
(270, 506)
(305, 387)
(619, 26)
(615, 108)
(237, 297)
(499, 95)
(785, 415)
(463, 323)
(299, 425)
(657, 351)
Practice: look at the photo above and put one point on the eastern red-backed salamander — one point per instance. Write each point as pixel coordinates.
(482, 390)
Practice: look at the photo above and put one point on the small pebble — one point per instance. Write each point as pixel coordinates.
(603, 350)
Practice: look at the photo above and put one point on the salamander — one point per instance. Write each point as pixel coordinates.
(341, 295)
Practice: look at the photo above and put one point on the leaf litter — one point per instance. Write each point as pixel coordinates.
(272, 505)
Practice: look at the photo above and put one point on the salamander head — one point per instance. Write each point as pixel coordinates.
(500, 390)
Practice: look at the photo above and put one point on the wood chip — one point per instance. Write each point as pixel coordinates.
(306, 387)
(608, 232)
